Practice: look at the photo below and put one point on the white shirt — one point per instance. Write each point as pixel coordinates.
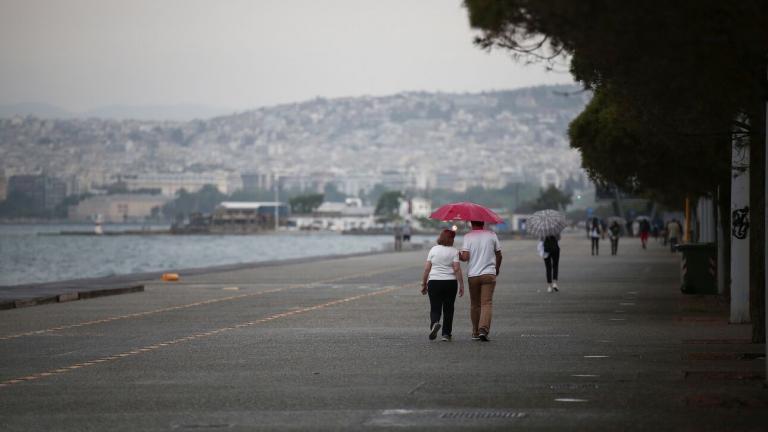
(595, 232)
(482, 246)
(442, 259)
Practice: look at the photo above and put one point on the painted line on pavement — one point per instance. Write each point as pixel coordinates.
(156, 346)
(190, 305)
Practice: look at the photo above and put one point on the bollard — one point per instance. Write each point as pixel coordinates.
(170, 277)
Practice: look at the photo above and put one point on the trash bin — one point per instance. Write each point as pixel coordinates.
(698, 268)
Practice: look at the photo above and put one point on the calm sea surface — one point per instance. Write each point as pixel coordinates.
(28, 255)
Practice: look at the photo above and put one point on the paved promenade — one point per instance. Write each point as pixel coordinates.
(341, 344)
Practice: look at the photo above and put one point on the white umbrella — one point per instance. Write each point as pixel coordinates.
(620, 220)
(545, 223)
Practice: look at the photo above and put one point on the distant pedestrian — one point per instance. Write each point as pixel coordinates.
(398, 232)
(673, 231)
(595, 232)
(549, 250)
(614, 231)
(442, 277)
(407, 231)
(645, 229)
(482, 251)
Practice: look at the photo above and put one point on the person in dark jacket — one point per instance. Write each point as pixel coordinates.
(614, 231)
(549, 250)
(595, 232)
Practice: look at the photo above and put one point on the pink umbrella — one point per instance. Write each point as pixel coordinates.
(466, 211)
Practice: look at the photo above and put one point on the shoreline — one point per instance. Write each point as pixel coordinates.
(191, 271)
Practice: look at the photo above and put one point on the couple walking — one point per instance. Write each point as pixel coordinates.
(443, 278)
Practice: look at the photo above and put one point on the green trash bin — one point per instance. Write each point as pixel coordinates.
(698, 268)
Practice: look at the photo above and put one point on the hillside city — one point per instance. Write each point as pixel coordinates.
(410, 141)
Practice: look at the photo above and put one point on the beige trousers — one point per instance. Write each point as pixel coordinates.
(481, 302)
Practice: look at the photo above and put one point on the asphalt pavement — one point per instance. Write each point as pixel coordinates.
(341, 344)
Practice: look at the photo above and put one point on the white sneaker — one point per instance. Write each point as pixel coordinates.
(433, 331)
(549, 288)
(554, 286)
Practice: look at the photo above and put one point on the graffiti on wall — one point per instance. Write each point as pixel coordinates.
(740, 223)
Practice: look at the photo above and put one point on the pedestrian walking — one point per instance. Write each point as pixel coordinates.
(595, 232)
(441, 280)
(673, 231)
(407, 230)
(645, 229)
(549, 250)
(614, 231)
(397, 230)
(482, 251)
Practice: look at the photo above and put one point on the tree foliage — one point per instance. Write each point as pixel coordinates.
(670, 77)
(306, 203)
(388, 204)
(617, 148)
(549, 198)
(203, 201)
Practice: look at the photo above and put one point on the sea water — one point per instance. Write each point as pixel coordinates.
(37, 253)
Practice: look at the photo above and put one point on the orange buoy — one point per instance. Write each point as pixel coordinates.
(170, 277)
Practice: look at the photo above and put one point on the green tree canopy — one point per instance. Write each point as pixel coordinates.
(388, 204)
(678, 73)
(203, 201)
(306, 203)
(549, 198)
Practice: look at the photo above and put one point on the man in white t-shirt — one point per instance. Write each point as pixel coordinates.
(482, 250)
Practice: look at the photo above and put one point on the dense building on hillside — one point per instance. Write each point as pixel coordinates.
(258, 181)
(170, 184)
(408, 141)
(44, 191)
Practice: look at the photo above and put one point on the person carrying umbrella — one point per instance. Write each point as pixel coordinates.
(482, 251)
(547, 225)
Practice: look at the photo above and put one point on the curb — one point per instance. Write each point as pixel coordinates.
(68, 297)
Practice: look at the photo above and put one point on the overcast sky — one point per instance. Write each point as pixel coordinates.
(238, 54)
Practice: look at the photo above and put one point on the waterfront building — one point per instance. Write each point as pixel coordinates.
(415, 207)
(45, 192)
(337, 216)
(117, 208)
(247, 217)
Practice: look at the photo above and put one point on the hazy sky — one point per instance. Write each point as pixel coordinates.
(80, 54)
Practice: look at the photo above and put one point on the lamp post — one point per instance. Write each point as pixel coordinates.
(277, 201)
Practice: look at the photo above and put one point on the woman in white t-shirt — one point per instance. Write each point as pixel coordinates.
(442, 276)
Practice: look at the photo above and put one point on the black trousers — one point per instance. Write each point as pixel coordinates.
(595, 245)
(442, 296)
(614, 245)
(552, 263)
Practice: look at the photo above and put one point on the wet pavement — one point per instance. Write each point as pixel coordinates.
(342, 344)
